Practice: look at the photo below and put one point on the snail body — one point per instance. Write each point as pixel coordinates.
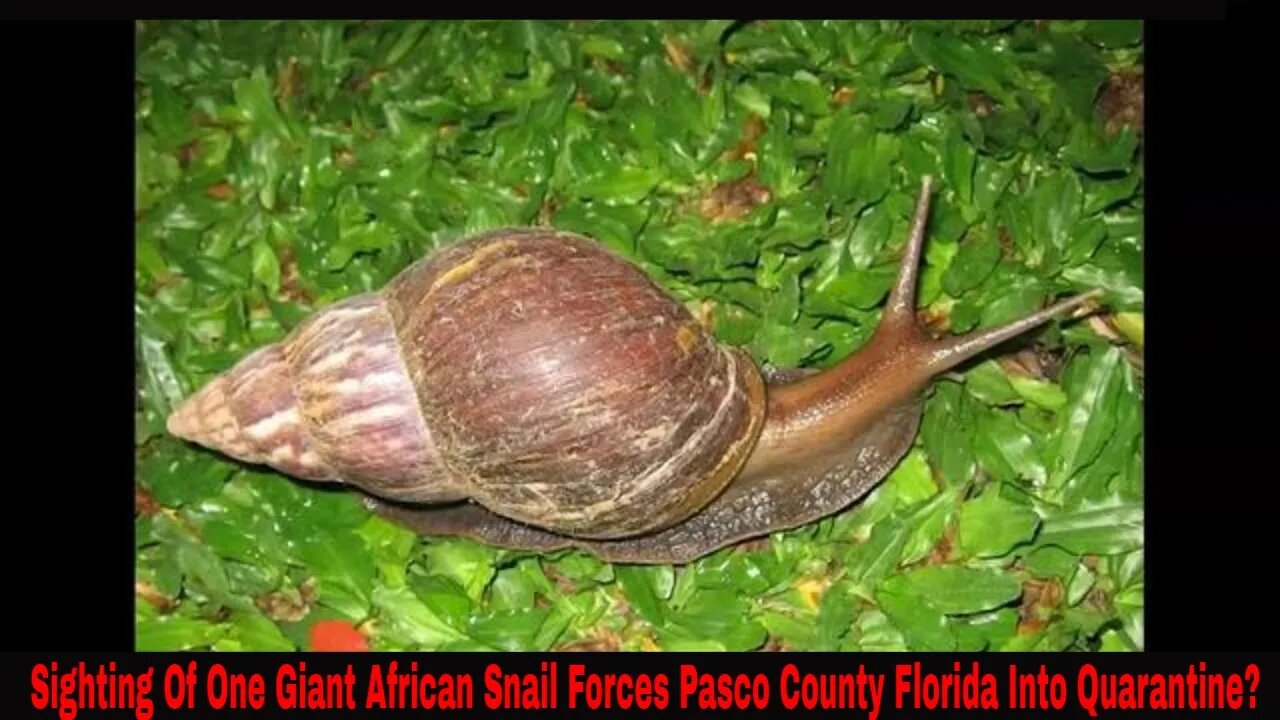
(529, 389)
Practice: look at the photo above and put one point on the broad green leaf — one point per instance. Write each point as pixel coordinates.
(948, 431)
(1056, 204)
(627, 186)
(957, 590)
(991, 526)
(988, 383)
(1040, 393)
(639, 584)
(859, 159)
(266, 267)
(1005, 447)
(1081, 583)
(975, 66)
(717, 615)
(912, 479)
(923, 626)
(515, 630)
(175, 632)
(986, 630)
(1115, 528)
(164, 388)
(974, 262)
(254, 632)
(390, 545)
(445, 598)
(1050, 561)
(958, 162)
(344, 572)
(929, 522)
(1087, 420)
(1114, 33)
(466, 563)
(1105, 193)
(405, 616)
(874, 559)
(1095, 153)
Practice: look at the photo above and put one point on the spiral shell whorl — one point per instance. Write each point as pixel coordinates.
(360, 406)
(331, 402)
(250, 413)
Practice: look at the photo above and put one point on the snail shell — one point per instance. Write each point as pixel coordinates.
(531, 371)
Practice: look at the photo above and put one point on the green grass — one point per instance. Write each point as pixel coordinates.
(763, 173)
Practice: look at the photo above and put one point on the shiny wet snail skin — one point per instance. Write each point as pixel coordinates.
(527, 388)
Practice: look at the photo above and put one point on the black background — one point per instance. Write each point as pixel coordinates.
(66, 150)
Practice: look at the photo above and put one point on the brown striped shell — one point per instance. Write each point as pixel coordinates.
(529, 370)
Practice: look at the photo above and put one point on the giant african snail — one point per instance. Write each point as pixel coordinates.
(529, 389)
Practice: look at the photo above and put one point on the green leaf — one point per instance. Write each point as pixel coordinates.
(871, 231)
(164, 389)
(466, 563)
(874, 559)
(344, 572)
(929, 523)
(605, 47)
(1041, 393)
(204, 572)
(981, 632)
(406, 617)
(891, 112)
(254, 100)
(1081, 583)
(959, 160)
(512, 631)
(1105, 530)
(445, 598)
(802, 90)
(989, 383)
(390, 546)
(957, 590)
(1093, 152)
(990, 183)
(254, 632)
(975, 66)
(858, 163)
(991, 526)
(912, 479)
(1056, 203)
(266, 267)
(1114, 269)
(1114, 33)
(1005, 447)
(974, 262)
(719, 616)
(1050, 561)
(175, 632)
(923, 626)
(1105, 193)
(836, 614)
(948, 430)
(639, 584)
(1087, 420)
(627, 186)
